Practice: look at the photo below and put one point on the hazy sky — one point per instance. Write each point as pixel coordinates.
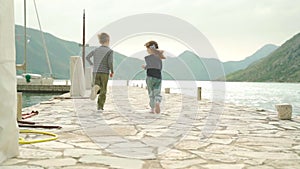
(235, 28)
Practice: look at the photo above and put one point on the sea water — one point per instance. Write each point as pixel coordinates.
(252, 94)
(33, 98)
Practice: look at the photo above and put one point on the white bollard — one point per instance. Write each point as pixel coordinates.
(77, 77)
(88, 74)
(284, 111)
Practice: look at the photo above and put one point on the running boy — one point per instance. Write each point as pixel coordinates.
(102, 64)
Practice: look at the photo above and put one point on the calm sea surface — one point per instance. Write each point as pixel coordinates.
(29, 99)
(253, 94)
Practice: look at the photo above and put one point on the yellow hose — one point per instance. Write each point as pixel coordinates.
(23, 141)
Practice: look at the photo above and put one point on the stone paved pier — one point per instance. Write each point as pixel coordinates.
(187, 134)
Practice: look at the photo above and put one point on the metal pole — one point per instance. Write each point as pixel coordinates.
(25, 38)
(83, 42)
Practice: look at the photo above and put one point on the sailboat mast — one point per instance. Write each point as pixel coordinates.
(83, 42)
(25, 38)
(43, 39)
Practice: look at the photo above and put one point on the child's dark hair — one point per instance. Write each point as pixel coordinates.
(151, 44)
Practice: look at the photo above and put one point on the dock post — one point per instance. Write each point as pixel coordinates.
(199, 93)
(284, 111)
(167, 90)
(19, 106)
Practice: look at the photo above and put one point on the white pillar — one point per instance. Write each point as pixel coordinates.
(77, 77)
(19, 106)
(88, 77)
(9, 131)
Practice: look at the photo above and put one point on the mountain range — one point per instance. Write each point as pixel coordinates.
(233, 66)
(186, 66)
(59, 52)
(282, 65)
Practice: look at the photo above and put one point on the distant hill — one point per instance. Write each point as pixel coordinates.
(282, 65)
(59, 52)
(233, 66)
(187, 66)
(200, 68)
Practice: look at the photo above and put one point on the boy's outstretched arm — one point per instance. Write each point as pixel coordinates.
(88, 57)
(110, 64)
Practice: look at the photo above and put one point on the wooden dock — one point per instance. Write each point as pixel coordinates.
(43, 88)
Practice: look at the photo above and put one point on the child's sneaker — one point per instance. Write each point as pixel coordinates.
(99, 109)
(94, 92)
(151, 111)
